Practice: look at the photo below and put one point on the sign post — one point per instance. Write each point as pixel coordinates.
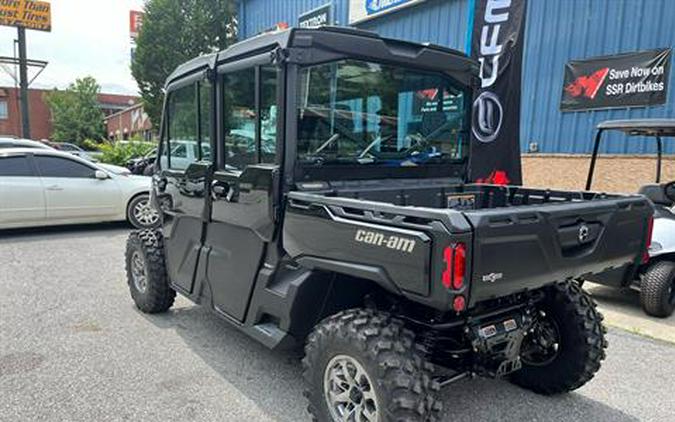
(25, 14)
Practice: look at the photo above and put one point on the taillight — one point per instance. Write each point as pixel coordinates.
(455, 266)
(650, 231)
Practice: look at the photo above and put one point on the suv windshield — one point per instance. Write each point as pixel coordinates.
(355, 112)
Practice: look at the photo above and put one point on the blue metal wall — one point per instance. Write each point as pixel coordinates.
(557, 31)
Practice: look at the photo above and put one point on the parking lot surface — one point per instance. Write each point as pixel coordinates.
(74, 348)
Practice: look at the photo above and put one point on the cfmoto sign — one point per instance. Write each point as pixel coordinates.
(487, 117)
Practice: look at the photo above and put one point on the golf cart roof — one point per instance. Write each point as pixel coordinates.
(641, 127)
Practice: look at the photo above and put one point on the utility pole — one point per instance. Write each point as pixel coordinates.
(23, 83)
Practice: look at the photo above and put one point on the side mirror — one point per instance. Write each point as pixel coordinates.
(101, 175)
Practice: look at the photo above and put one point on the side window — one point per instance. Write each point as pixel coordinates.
(205, 112)
(268, 113)
(239, 118)
(183, 130)
(62, 167)
(15, 167)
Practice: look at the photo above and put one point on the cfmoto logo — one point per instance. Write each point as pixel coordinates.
(584, 233)
(487, 117)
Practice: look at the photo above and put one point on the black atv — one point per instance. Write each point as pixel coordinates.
(335, 213)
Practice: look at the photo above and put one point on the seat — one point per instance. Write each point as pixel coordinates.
(655, 194)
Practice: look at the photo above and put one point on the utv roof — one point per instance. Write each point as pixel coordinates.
(337, 41)
(641, 127)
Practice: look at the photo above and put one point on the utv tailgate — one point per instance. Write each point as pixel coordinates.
(523, 248)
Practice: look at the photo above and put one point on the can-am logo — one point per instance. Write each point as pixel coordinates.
(488, 113)
(379, 239)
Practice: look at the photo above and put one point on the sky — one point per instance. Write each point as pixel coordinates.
(88, 38)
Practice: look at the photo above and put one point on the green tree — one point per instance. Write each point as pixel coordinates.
(75, 111)
(173, 32)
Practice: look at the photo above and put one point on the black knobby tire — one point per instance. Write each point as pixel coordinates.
(581, 346)
(387, 351)
(154, 295)
(657, 289)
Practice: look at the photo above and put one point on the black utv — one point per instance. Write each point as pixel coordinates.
(335, 212)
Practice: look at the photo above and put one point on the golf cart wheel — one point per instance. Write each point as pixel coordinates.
(363, 365)
(146, 272)
(566, 344)
(657, 289)
(141, 214)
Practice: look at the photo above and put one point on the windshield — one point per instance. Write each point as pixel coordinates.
(355, 112)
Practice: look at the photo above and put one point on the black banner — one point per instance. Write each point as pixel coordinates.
(321, 16)
(622, 80)
(497, 43)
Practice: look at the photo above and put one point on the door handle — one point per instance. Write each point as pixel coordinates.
(54, 188)
(221, 190)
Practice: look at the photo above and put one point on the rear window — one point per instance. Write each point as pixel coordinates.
(62, 167)
(15, 166)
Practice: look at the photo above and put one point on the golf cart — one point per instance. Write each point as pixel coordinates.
(655, 276)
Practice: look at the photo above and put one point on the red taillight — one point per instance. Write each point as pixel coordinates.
(455, 266)
(650, 231)
(459, 304)
(459, 265)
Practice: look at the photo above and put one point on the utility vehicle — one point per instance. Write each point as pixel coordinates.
(360, 237)
(655, 278)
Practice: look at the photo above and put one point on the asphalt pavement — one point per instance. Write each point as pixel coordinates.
(74, 348)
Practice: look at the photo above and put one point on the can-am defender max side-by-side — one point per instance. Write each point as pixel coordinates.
(655, 278)
(328, 206)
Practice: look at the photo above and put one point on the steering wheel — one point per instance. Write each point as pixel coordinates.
(669, 191)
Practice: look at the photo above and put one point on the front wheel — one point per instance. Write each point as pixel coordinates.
(566, 344)
(363, 365)
(657, 289)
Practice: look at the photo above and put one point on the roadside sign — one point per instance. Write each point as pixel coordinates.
(361, 10)
(135, 23)
(27, 14)
(321, 16)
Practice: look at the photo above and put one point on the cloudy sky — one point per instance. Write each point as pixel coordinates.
(89, 37)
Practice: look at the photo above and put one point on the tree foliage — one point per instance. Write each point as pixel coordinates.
(75, 112)
(173, 32)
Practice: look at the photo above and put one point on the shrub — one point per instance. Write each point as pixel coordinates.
(119, 153)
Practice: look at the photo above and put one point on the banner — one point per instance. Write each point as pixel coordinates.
(619, 81)
(497, 44)
(26, 13)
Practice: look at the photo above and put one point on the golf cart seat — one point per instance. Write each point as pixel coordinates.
(656, 194)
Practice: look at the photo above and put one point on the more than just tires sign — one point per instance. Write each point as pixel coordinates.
(321, 16)
(361, 10)
(624, 80)
(27, 14)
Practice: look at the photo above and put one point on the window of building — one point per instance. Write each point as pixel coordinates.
(15, 167)
(62, 167)
(4, 109)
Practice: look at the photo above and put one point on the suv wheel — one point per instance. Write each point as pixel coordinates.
(146, 273)
(566, 344)
(657, 289)
(141, 214)
(363, 365)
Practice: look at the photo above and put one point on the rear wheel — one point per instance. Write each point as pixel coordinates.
(146, 272)
(566, 344)
(141, 214)
(363, 365)
(657, 289)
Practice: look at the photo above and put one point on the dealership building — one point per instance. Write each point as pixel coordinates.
(603, 38)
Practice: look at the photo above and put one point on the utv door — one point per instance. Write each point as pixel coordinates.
(242, 187)
(181, 181)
